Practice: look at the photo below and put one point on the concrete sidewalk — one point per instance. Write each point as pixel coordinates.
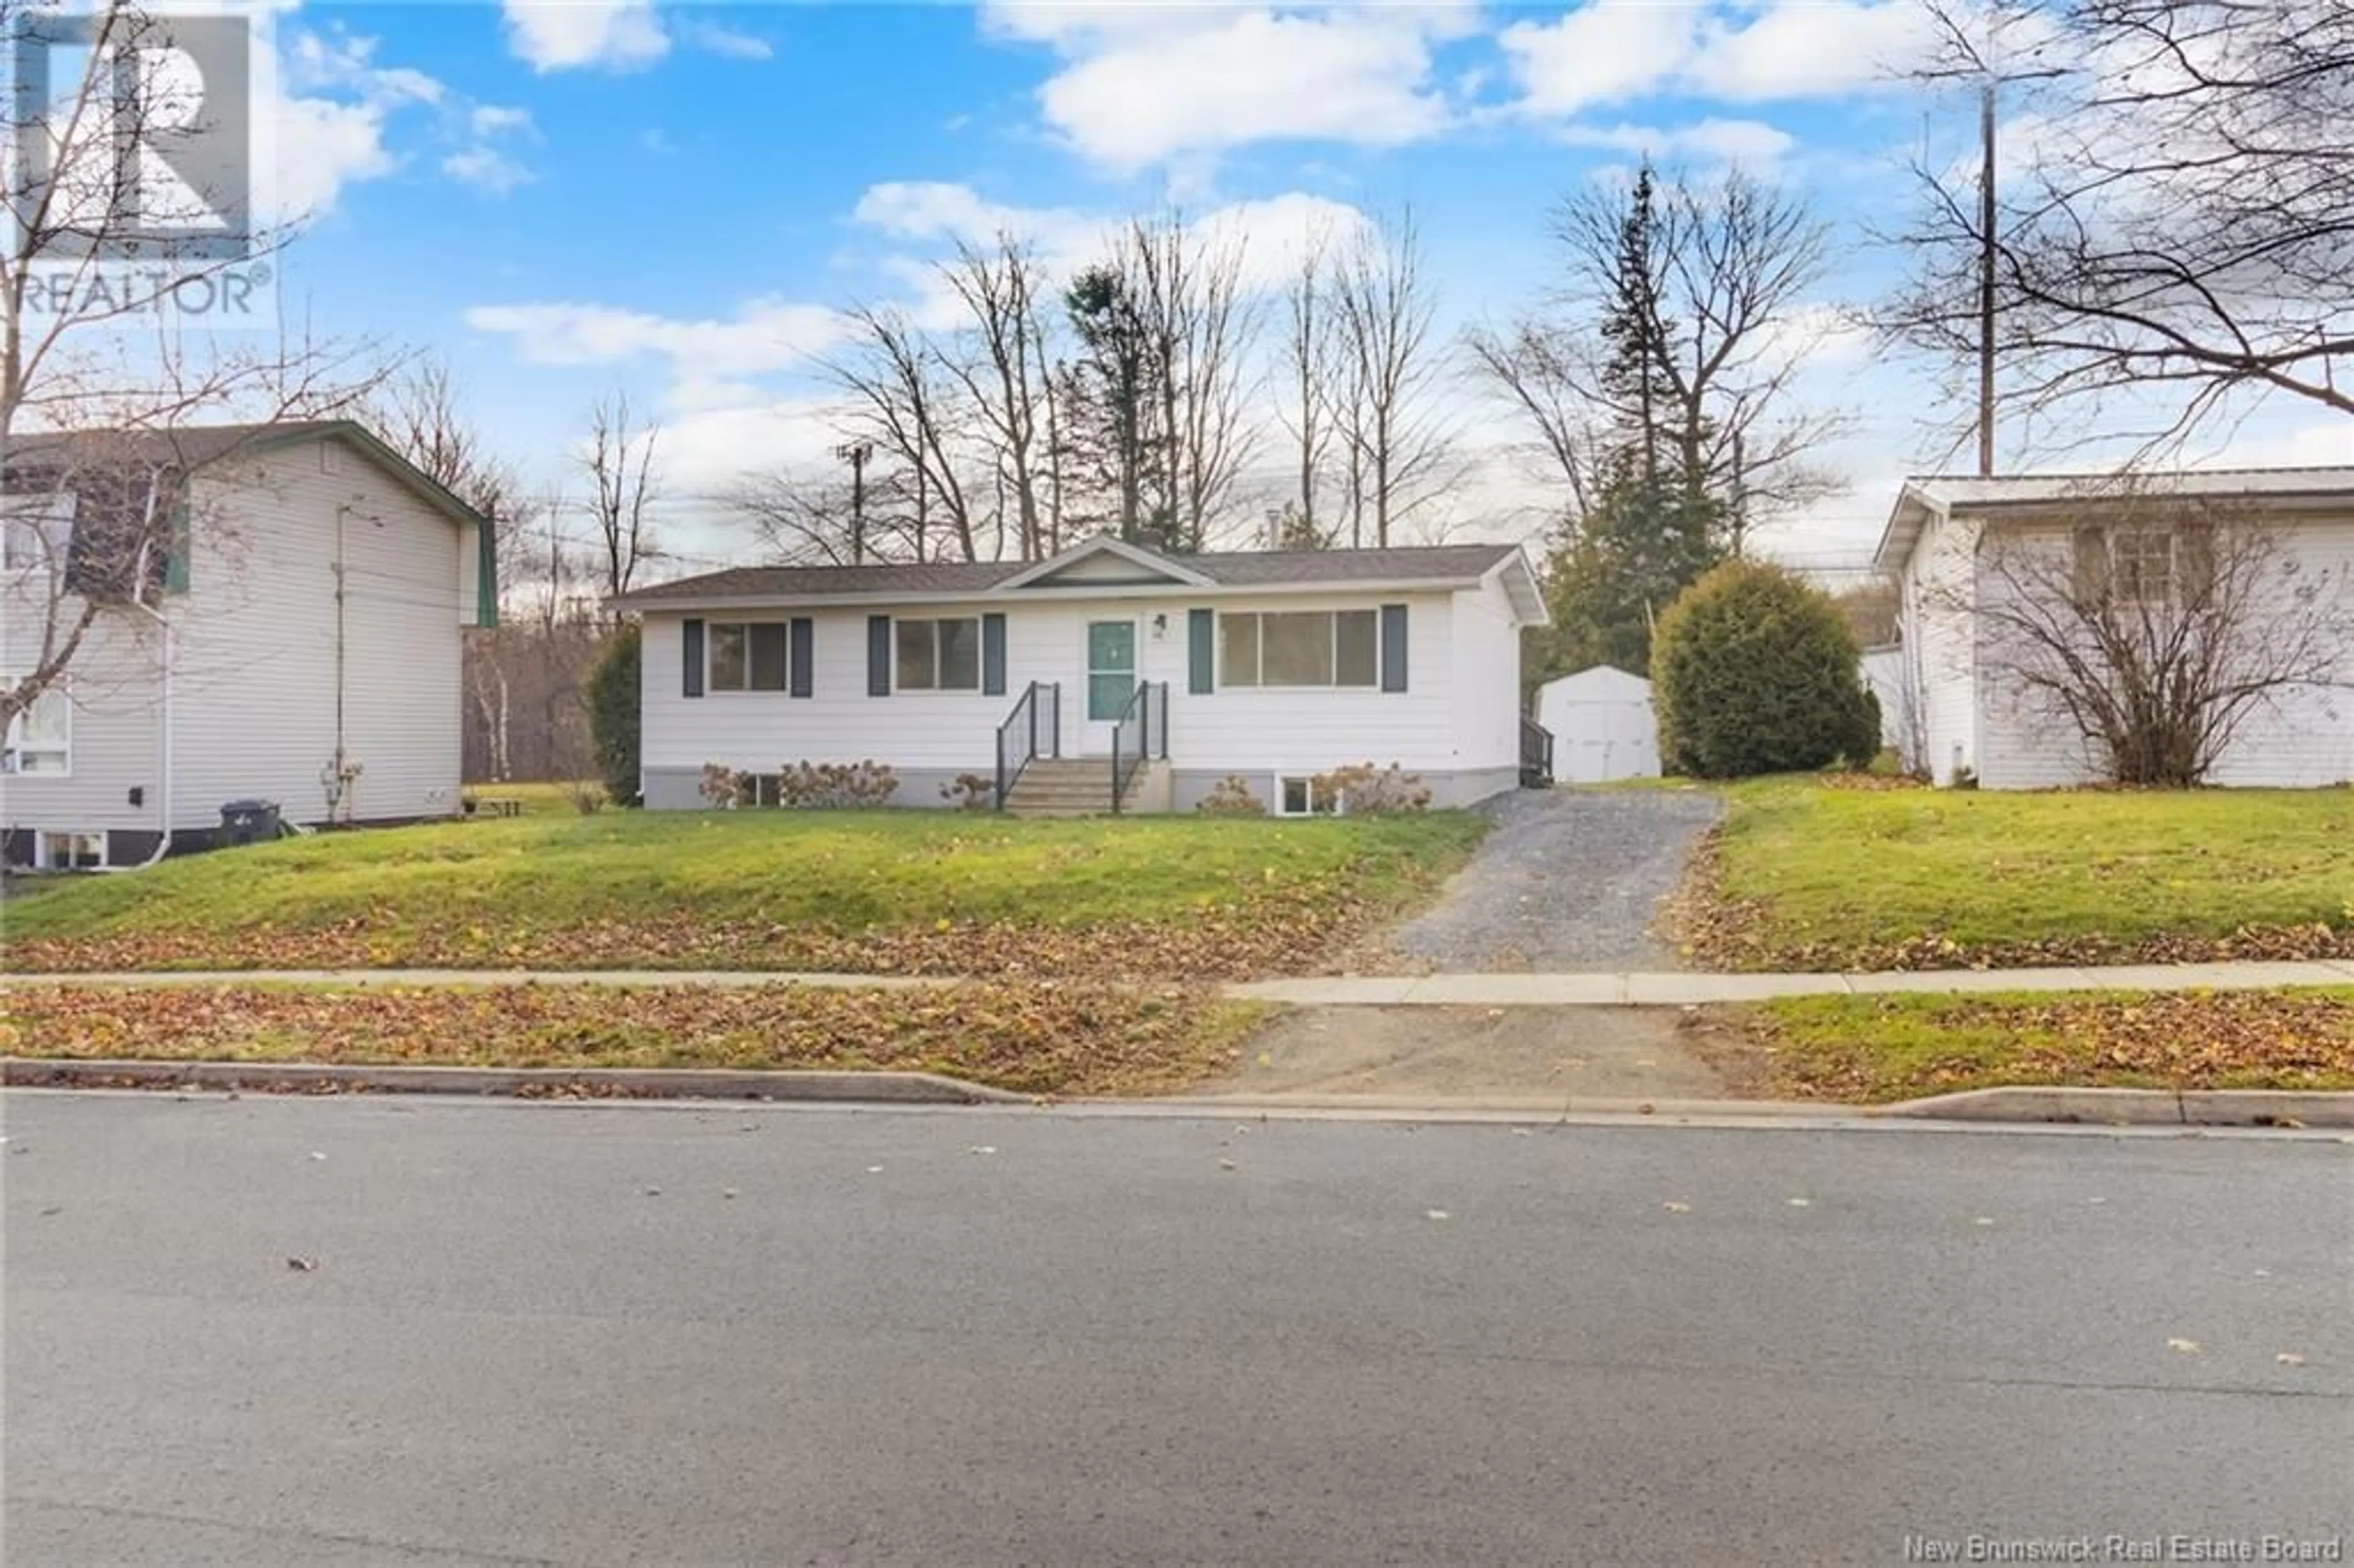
(1680, 990)
(1670, 990)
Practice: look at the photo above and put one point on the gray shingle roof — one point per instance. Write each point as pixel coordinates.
(1434, 562)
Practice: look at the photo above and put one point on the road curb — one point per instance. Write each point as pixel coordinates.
(2133, 1107)
(628, 1083)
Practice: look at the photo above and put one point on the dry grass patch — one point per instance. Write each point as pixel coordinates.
(1034, 1039)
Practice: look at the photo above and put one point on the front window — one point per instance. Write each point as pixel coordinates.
(747, 656)
(73, 851)
(1300, 648)
(40, 739)
(938, 655)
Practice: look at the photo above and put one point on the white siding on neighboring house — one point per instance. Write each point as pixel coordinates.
(2301, 737)
(1941, 645)
(116, 725)
(1883, 671)
(261, 649)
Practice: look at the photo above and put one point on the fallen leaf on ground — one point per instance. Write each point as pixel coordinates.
(2289, 1358)
(302, 1265)
(2185, 1347)
(1678, 1208)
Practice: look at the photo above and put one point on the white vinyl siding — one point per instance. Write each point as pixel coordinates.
(1941, 644)
(116, 727)
(254, 692)
(1256, 732)
(1485, 704)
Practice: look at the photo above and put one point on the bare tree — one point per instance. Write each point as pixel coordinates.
(108, 374)
(1009, 381)
(1197, 327)
(623, 484)
(1308, 417)
(906, 396)
(2174, 219)
(1398, 453)
(1728, 269)
(795, 518)
(2156, 636)
(1530, 367)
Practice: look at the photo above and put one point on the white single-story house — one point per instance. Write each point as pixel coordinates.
(1185, 669)
(1961, 547)
(295, 638)
(1601, 725)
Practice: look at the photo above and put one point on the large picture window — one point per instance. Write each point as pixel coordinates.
(40, 739)
(1300, 647)
(747, 656)
(937, 655)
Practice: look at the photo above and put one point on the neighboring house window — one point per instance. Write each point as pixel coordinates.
(1300, 648)
(40, 739)
(1300, 795)
(2141, 565)
(937, 655)
(747, 656)
(73, 851)
(38, 531)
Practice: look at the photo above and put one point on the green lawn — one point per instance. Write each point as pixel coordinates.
(1806, 876)
(1872, 1049)
(907, 891)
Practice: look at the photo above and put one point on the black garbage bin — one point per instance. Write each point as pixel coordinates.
(247, 822)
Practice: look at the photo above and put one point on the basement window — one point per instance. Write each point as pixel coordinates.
(1303, 795)
(73, 851)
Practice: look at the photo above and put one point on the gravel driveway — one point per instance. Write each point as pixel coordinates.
(1569, 880)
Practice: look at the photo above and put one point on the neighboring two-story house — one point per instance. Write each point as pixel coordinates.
(291, 632)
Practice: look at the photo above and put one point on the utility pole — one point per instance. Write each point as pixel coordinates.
(1985, 279)
(857, 454)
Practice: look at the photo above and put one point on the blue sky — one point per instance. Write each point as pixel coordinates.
(564, 199)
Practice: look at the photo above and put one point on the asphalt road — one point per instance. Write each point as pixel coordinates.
(550, 1333)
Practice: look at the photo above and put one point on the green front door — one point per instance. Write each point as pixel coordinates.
(1112, 670)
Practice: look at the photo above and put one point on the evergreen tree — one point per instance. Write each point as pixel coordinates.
(1111, 390)
(1652, 527)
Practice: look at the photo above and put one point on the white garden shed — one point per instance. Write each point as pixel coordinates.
(1601, 725)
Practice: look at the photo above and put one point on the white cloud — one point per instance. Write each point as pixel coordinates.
(500, 120)
(765, 336)
(322, 147)
(1750, 143)
(701, 33)
(1817, 48)
(485, 169)
(574, 35)
(704, 449)
(1598, 55)
(1609, 52)
(1147, 84)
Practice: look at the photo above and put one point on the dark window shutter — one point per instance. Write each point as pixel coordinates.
(878, 655)
(1394, 648)
(691, 663)
(2194, 564)
(176, 563)
(2092, 567)
(992, 655)
(804, 645)
(1201, 642)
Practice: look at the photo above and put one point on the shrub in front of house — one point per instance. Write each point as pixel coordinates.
(969, 792)
(1232, 797)
(1362, 789)
(836, 785)
(722, 786)
(613, 714)
(1755, 671)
